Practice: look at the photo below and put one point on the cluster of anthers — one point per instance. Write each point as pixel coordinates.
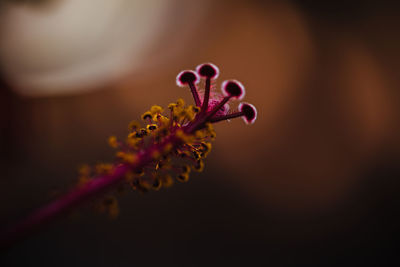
(170, 144)
(166, 148)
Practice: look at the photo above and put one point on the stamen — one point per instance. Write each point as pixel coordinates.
(189, 77)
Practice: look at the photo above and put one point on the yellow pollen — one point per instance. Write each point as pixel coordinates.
(183, 177)
(113, 142)
(180, 102)
(146, 115)
(133, 125)
(156, 109)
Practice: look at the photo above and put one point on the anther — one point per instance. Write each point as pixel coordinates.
(156, 109)
(143, 132)
(151, 127)
(113, 142)
(195, 109)
(183, 177)
(133, 125)
(199, 166)
(139, 172)
(157, 184)
(196, 154)
(185, 169)
(147, 115)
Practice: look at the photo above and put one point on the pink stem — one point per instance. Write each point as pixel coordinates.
(195, 94)
(79, 195)
(226, 117)
(202, 119)
(206, 98)
(62, 205)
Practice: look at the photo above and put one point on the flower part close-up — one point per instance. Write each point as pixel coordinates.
(165, 147)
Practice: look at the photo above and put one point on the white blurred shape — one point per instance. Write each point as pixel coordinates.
(72, 45)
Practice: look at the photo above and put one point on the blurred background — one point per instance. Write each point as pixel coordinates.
(315, 181)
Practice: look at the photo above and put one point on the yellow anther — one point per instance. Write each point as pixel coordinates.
(113, 142)
(151, 127)
(84, 170)
(209, 127)
(200, 134)
(183, 114)
(164, 120)
(184, 154)
(186, 138)
(183, 177)
(147, 115)
(186, 169)
(199, 166)
(132, 141)
(138, 173)
(161, 119)
(196, 154)
(180, 134)
(213, 135)
(195, 109)
(139, 134)
(103, 168)
(189, 113)
(130, 158)
(133, 125)
(180, 102)
(172, 106)
(132, 135)
(206, 148)
(156, 109)
(157, 184)
(178, 113)
(159, 165)
(84, 174)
